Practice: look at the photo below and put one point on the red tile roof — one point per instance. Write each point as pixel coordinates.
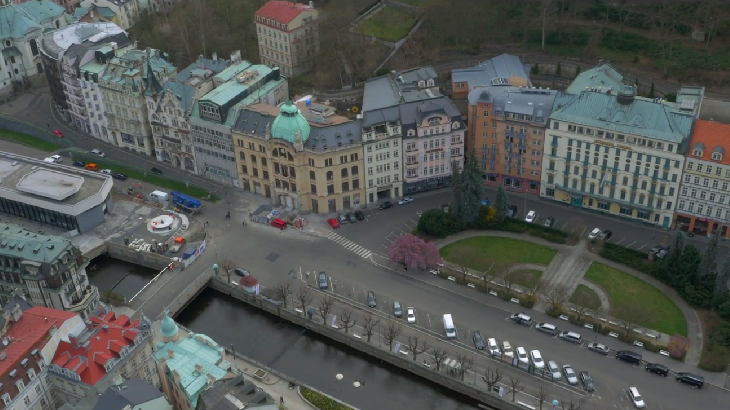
(711, 134)
(31, 329)
(110, 334)
(281, 11)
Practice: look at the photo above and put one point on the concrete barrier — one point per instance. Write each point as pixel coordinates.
(402, 362)
(147, 259)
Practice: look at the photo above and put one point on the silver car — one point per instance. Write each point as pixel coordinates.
(554, 370)
(570, 376)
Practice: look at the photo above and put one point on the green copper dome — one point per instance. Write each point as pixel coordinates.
(168, 328)
(290, 123)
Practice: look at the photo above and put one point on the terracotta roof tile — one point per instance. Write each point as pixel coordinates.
(281, 11)
(712, 135)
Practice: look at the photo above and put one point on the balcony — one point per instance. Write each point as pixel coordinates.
(89, 296)
(455, 154)
(412, 149)
(554, 144)
(412, 164)
(509, 134)
(109, 114)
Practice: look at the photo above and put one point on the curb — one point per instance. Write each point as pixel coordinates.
(299, 392)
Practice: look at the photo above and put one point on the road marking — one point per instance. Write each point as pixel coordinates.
(388, 240)
(631, 244)
(564, 225)
(416, 223)
(642, 247)
(619, 242)
(349, 245)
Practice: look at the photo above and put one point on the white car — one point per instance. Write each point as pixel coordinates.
(97, 153)
(570, 375)
(106, 171)
(406, 200)
(554, 370)
(493, 347)
(507, 350)
(411, 315)
(636, 398)
(536, 359)
(522, 355)
(530, 217)
(594, 233)
(56, 158)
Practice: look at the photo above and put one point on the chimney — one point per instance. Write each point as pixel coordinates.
(198, 368)
(74, 341)
(114, 45)
(215, 56)
(17, 313)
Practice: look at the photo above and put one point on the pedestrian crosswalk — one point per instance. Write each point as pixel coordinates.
(349, 245)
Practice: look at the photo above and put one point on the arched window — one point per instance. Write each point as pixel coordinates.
(33, 47)
(330, 175)
(344, 172)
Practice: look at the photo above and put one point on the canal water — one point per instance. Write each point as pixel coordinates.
(313, 359)
(123, 277)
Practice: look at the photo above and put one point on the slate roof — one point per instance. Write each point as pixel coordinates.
(537, 103)
(215, 66)
(643, 117)
(282, 11)
(19, 301)
(233, 394)
(602, 78)
(711, 137)
(504, 66)
(119, 72)
(17, 20)
(379, 92)
(18, 242)
(412, 114)
(390, 114)
(132, 392)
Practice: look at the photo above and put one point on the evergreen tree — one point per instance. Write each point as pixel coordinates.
(577, 71)
(651, 91)
(708, 266)
(559, 70)
(472, 189)
(456, 189)
(501, 204)
(722, 279)
(536, 69)
(674, 259)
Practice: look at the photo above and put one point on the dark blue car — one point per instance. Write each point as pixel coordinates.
(79, 163)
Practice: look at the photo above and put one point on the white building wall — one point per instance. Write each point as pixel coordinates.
(383, 164)
(705, 194)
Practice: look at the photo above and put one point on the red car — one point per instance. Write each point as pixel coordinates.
(333, 223)
(58, 133)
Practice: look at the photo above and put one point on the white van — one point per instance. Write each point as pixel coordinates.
(49, 160)
(449, 326)
(158, 196)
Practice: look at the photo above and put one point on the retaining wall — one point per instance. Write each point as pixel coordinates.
(416, 368)
(127, 254)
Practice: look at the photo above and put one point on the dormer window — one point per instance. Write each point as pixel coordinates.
(716, 156)
(431, 82)
(455, 124)
(411, 132)
(697, 152)
(434, 121)
(422, 83)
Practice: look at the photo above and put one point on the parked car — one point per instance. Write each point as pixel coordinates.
(58, 133)
(599, 348)
(691, 379)
(397, 309)
(547, 328)
(350, 217)
(359, 215)
(512, 211)
(371, 299)
(636, 398)
(654, 250)
(493, 347)
(507, 350)
(664, 252)
(156, 170)
(406, 200)
(554, 370)
(570, 376)
(521, 318)
(536, 359)
(587, 381)
(241, 272)
(478, 340)
(106, 171)
(549, 222)
(522, 355)
(411, 315)
(341, 219)
(594, 233)
(333, 223)
(605, 235)
(571, 337)
(322, 281)
(530, 218)
(56, 158)
(629, 357)
(385, 205)
(657, 368)
(97, 153)
(79, 164)
(120, 176)
(91, 167)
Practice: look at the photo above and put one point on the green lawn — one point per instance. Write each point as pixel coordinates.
(413, 2)
(480, 252)
(28, 140)
(388, 24)
(527, 278)
(634, 300)
(586, 297)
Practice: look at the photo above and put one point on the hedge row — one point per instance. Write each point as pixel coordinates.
(526, 301)
(321, 401)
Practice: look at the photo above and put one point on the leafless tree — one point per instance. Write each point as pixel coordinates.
(515, 386)
(492, 377)
(541, 396)
(504, 276)
(368, 326)
(463, 270)
(571, 405)
(346, 319)
(304, 298)
(228, 266)
(391, 333)
(325, 307)
(487, 276)
(466, 362)
(535, 289)
(285, 291)
(555, 296)
(632, 314)
(416, 347)
(545, 6)
(439, 355)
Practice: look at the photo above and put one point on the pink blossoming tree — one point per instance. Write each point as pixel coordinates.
(414, 252)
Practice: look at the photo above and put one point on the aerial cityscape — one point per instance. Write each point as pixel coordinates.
(364, 205)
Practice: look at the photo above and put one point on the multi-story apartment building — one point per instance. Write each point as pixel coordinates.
(108, 346)
(213, 115)
(127, 77)
(123, 13)
(70, 48)
(68, 5)
(433, 140)
(704, 198)
(20, 35)
(616, 153)
(504, 69)
(24, 382)
(311, 163)
(49, 270)
(506, 129)
(170, 109)
(288, 36)
(188, 363)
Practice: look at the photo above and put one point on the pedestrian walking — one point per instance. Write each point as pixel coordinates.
(281, 399)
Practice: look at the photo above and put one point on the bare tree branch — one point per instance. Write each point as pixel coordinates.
(572, 405)
(346, 319)
(228, 266)
(304, 297)
(391, 333)
(492, 377)
(439, 355)
(541, 396)
(415, 347)
(368, 326)
(285, 291)
(515, 386)
(466, 362)
(325, 307)
(555, 296)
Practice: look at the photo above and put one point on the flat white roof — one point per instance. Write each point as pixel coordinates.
(50, 183)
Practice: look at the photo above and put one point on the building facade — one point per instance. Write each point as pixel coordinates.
(127, 77)
(433, 141)
(504, 69)
(507, 131)
(616, 153)
(123, 13)
(239, 85)
(704, 198)
(132, 394)
(309, 164)
(107, 346)
(49, 270)
(20, 37)
(288, 36)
